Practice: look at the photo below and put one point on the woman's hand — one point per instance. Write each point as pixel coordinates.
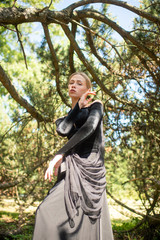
(83, 102)
(54, 163)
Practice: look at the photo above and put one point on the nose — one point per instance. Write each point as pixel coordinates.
(73, 85)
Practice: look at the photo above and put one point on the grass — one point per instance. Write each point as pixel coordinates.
(10, 223)
(121, 229)
(128, 230)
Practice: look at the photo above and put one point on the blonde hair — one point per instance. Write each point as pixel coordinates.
(88, 81)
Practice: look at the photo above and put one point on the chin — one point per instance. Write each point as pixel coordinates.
(74, 97)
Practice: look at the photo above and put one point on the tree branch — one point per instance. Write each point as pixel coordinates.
(144, 30)
(123, 4)
(3, 25)
(15, 16)
(86, 63)
(71, 49)
(91, 70)
(131, 209)
(14, 3)
(50, 3)
(94, 50)
(88, 29)
(20, 15)
(23, 177)
(154, 77)
(15, 95)
(54, 61)
(13, 125)
(21, 44)
(87, 13)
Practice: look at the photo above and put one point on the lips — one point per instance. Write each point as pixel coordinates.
(72, 91)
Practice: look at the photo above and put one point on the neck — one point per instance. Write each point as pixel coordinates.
(74, 101)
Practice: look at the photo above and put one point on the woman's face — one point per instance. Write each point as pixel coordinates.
(77, 86)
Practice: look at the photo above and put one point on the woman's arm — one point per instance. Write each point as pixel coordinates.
(65, 124)
(88, 128)
(82, 134)
(54, 163)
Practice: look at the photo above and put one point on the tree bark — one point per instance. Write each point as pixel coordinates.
(19, 99)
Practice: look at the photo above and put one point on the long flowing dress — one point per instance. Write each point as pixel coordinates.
(76, 207)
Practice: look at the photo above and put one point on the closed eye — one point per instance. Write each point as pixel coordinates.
(71, 83)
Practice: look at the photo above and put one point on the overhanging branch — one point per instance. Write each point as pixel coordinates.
(85, 62)
(125, 34)
(123, 4)
(54, 61)
(92, 71)
(89, 33)
(71, 49)
(19, 99)
(21, 44)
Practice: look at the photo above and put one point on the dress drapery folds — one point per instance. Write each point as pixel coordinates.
(84, 185)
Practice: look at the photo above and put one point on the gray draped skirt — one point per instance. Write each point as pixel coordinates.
(52, 223)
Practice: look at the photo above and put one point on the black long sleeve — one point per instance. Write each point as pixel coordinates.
(65, 124)
(87, 129)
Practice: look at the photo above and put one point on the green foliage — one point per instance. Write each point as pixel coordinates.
(131, 124)
(39, 4)
(28, 3)
(6, 3)
(9, 223)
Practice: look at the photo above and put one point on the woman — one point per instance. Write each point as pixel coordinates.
(76, 207)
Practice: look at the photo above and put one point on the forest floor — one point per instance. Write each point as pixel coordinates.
(122, 220)
(116, 211)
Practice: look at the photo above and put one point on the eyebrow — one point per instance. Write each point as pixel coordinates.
(76, 80)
